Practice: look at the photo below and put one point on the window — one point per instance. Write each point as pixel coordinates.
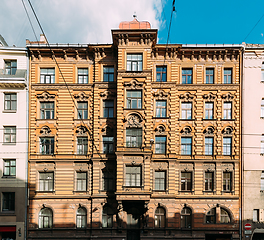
(160, 217)
(82, 75)
(186, 181)
(262, 181)
(9, 134)
(227, 110)
(133, 137)
(11, 101)
(255, 215)
(262, 72)
(82, 110)
(108, 180)
(209, 145)
(160, 145)
(82, 145)
(134, 99)
(108, 144)
(186, 218)
(108, 109)
(47, 110)
(209, 181)
(262, 144)
(227, 145)
(107, 218)
(134, 62)
(227, 76)
(109, 72)
(46, 181)
(133, 176)
(8, 201)
(224, 216)
(186, 76)
(81, 217)
(160, 180)
(186, 146)
(227, 181)
(186, 110)
(47, 145)
(45, 218)
(211, 216)
(209, 76)
(161, 74)
(209, 110)
(9, 167)
(47, 75)
(262, 107)
(81, 181)
(10, 67)
(161, 107)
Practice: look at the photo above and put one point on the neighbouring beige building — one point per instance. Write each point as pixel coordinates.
(134, 139)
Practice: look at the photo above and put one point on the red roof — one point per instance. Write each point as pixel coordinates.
(134, 24)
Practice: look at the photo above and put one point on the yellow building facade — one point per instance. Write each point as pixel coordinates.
(134, 140)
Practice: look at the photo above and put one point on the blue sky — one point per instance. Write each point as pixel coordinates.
(91, 21)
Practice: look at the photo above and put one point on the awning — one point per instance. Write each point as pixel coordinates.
(7, 229)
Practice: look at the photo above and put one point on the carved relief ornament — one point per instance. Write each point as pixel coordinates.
(161, 95)
(228, 96)
(107, 94)
(187, 96)
(45, 130)
(186, 130)
(160, 129)
(82, 130)
(133, 120)
(210, 96)
(133, 84)
(45, 96)
(209, 130)
(81, 96)
(228, 130)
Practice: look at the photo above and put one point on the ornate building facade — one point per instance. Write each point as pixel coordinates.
(134, 139)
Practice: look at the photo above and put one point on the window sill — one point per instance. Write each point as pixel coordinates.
(80, 191)
(46, 119)
(182, 119)
(209, 119)
(231, 119)
(133, 108)
(186, 191)
(160, 117)
(140, 187)
(38, 191)
(8, 212)
(12, 177)
(105, 118)
(5, 143)
(9, 111)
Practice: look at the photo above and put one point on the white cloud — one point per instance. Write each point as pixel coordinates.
(74, 21)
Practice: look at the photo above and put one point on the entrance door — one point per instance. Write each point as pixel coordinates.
(133, 234)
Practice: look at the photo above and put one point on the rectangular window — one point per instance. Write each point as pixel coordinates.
(47, 145)
(9, 134)
(108, 109)
(262, 181)
(108, 180)
(82, 145)
(262, 72)
(133, 137)
(9, 168)
(227, 110)
(47, 110)
(209, 110)
(81, 181)
(161, 74)
(209, 145)
(160, 180)
(161, 109)
(227, 75)
(134, 62)
(160, 145)
(255, 215)
(133, 176)
(46, 181)
(262, 144)
(262, 108)
(227, 181)
(186, 146)
(186, 181)
(108, 144)
(8, 201)
(82, 110)
(47, 75)
(82, 75)
(227, 145)
(209, 181)
(187, 76)
(109, 73)
(209, 76)
(186, 110)
(11, 101)
(134, 99)
(10, 67)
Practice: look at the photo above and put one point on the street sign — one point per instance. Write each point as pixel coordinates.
(248, 226)
(248, 232)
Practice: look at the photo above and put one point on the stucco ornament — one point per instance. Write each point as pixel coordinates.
(45, 130)
(45, 96)
(133, 84)
(133, 120)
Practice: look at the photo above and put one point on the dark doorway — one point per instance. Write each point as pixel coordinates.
(258, 236)
(133, 234)
(9, 236)
(218, 237)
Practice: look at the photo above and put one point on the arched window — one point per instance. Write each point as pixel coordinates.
(45, 218)
(107, 218)
(160, 217)
(224, 216)
(211, 216)
(81, 217)
(186, 218)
